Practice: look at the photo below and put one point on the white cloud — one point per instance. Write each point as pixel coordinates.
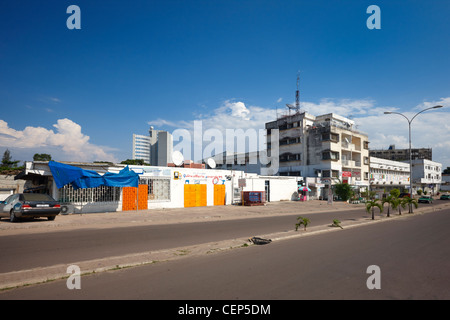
(429, 130)
(68, 140)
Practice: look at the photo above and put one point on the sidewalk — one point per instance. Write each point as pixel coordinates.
(184, 215)
(169, 216)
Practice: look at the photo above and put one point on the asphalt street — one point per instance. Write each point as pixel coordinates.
(412, 253)
(31, 250)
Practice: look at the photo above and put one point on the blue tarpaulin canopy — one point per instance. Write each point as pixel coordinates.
(82, 178)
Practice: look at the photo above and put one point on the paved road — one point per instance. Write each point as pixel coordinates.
(31, 250)
(413, 254)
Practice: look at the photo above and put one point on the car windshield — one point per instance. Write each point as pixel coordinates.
(36, 197)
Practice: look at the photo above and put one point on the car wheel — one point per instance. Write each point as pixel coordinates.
(12, 216)
(51, 218)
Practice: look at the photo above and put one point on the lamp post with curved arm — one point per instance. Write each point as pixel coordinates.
(409, 125)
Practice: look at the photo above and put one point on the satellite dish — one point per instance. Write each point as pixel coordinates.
(177, 158)
(211, 163)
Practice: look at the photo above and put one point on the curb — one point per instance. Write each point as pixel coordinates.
(20, 278)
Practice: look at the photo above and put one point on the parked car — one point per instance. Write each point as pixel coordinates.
(445, 197)
(29, 205)
(404, 195)
(425, 199)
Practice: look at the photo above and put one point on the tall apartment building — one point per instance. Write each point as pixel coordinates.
(155, 149)
(141, 147)
(327, 147)
(402, 154)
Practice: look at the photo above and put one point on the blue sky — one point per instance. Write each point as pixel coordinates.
(81, 94)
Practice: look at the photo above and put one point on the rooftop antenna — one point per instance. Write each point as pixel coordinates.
(297, 93)
(297, 97)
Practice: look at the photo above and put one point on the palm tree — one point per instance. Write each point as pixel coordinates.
(371, 204)
(302, 221)
(410, 202)
(398, 203)
(388, 200)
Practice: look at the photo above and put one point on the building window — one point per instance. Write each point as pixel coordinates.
(158, 188)
(68, 194)
(330, 155)
(330, 136)
(290, 157)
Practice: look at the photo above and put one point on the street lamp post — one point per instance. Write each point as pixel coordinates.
(409, 125)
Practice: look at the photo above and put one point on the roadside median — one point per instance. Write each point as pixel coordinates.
(45, 274)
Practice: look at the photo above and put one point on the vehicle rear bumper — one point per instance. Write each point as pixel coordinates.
(38, 212)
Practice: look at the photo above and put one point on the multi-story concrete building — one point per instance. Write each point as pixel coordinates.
(386, 175)
(402, 154)
(248, 162)
(164, 149)
(141, 148)
(155, 149)
(326, 147)
(426, 175)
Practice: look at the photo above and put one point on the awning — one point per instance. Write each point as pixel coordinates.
(80, 178)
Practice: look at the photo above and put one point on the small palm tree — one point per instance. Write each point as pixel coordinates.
(411, 202)
(336, 223)
(302, 221)
(388, 200)
(371, 204)
(398, 203)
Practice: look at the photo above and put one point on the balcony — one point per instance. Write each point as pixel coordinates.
(348, 163)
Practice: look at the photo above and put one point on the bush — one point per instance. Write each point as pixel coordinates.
(343, 191)
(302, 221)
(395, 193)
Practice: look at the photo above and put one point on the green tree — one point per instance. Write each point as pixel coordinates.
(302, 221)
(343, 190)
(371, 205)
(139, 162)
(411, 202)
(388, 200)
(395, 193)
(369, 195)
(398, 203)
(42, 157)
(6, 160)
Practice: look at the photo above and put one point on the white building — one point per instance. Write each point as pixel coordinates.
(141, 148)
(155, 149)
(327, 147)
(426, 175)
(161, 187)
(386, 175)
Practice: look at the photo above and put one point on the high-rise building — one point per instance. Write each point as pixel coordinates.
(155, 149)
(141, 147)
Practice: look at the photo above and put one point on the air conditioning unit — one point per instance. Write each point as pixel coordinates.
(67, 209)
